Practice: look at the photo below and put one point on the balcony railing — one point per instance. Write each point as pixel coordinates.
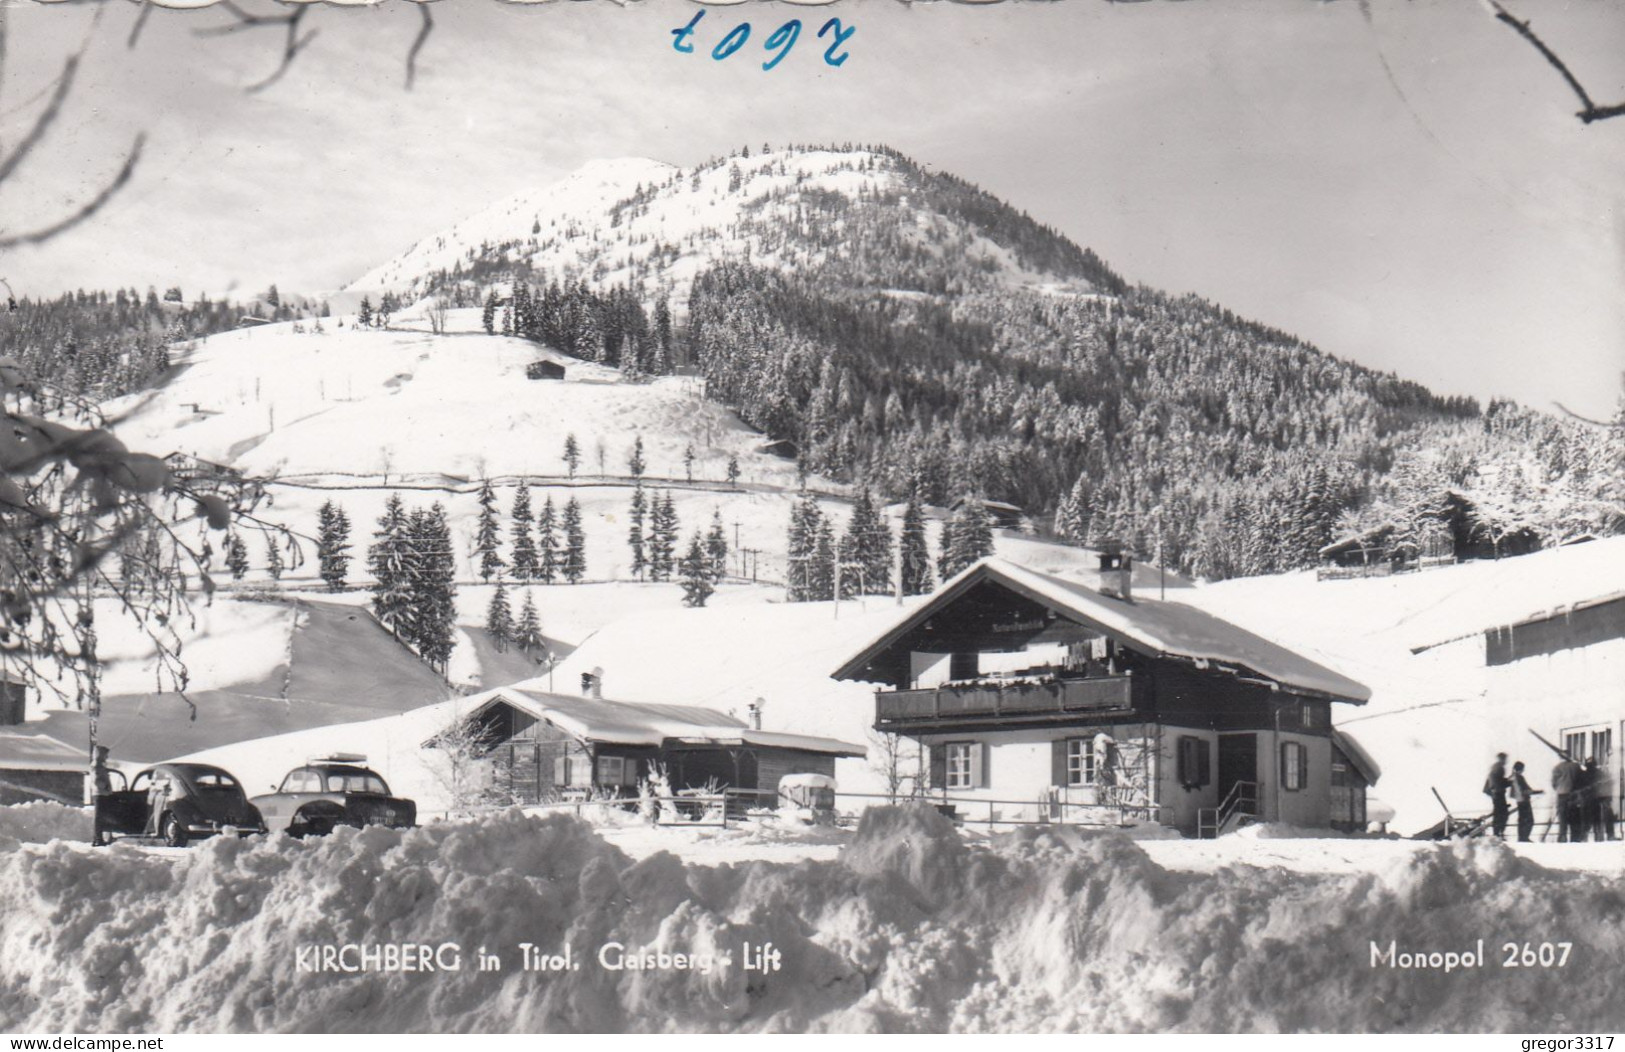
(979, 700)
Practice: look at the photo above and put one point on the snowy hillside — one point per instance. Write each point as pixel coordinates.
(641, 222)
(407, 404)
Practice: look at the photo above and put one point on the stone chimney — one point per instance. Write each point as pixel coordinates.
(598, 683)
(755, 710)
(1116, 572)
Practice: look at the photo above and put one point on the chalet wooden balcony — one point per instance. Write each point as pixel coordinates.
(987, 702)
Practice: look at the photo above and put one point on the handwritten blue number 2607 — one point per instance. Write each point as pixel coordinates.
(782, 40)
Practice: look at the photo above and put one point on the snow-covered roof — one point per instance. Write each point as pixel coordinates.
(1159, 627)
(641, 723)
(1357, 755)
(39, 752)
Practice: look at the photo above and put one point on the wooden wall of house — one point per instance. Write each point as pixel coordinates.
(1593, 624)
(694, 768)
(526, 764)
(774, 764)
(1176, 693)
(21, 785)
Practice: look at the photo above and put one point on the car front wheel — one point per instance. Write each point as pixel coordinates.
(174, 832)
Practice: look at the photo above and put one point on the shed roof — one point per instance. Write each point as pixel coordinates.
(642, 723)
(39, 752)
(1160, 628)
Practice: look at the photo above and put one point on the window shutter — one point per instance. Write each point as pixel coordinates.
(1057, 762)
(1204, 762)
(939, 766)
(978, 765)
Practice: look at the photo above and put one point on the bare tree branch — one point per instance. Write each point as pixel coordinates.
(417, 44)
(42, 123)
(1586, 419)
(1591, 112)
(140, 23)
(87, 210)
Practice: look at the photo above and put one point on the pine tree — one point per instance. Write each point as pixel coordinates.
(364, 316)
(386, 559)
(716, 546)
(487, 538)
(869, 546)
(850, 567)
(634, 536)
(733, 469)
(914, 550)
(572, 454)
(547, 543)
(273, 558)
(634, 461)
(1072, 517)
(801, 549)
(236, 556)
(499, 618)
(575, 543)
(528, 633)
(663, 335)
(333, 545)
(696, 574)
(688, 461)
(823, 582)
(432, 588)
(971, 538)
(488, 317)
(525, 565)
(662, 538)
(945, 547)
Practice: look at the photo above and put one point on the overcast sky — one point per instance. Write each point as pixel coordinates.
(1411, 191)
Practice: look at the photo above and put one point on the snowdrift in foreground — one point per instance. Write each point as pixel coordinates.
(42, 820)
(912, 929)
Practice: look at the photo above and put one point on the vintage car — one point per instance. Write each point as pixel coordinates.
(334, 791)
(192, 800)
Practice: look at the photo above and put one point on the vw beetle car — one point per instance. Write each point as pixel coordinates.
(193, 800)
(334, 791)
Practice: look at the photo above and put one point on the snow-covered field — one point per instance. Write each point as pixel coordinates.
(905, 925)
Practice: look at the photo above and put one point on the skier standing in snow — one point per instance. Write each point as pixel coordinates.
(1524, 798)
(1602, 791)
(1565, 782)
(1584, 781)
(1495, 787)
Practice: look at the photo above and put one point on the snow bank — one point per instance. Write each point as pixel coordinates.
(911, 929)
(42, 820)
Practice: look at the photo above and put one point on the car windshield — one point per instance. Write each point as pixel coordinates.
(356, 782)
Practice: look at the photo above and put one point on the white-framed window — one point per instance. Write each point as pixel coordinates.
(961, 763)
(1583, 743)
(1294, 765)
(1080, 761)
(1308, 714)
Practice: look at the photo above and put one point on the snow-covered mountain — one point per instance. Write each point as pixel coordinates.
(640, 222)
